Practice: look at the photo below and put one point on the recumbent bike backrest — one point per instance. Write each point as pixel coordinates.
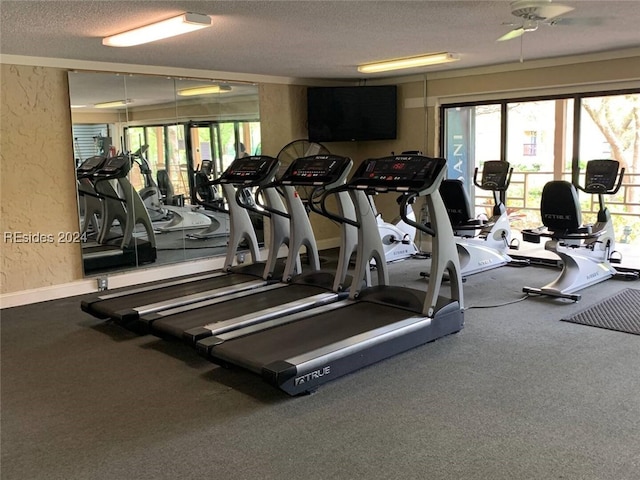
(560, 207)
(456, 201)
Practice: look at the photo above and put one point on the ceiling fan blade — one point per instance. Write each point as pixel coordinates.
(512, 34)
(552, 11)
(587, 22)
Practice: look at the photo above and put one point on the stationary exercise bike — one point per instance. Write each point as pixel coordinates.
(587, 251)
(398, 237)
(482, 244)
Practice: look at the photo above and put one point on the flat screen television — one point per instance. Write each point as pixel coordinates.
(339, 114)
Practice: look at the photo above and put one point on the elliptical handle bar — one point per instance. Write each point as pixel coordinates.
(619, 184)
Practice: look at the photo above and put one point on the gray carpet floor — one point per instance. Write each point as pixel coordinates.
(517, 394)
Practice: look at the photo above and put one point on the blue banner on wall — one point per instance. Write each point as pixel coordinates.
(459, 144)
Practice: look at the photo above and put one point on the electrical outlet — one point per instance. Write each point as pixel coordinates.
(103, 283)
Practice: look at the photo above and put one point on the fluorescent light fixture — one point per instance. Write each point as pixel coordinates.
(187, 22)
(117, 103)
(78, 106)
(206, 90)
(408, 62)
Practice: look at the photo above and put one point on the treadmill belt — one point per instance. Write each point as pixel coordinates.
(305, 335)
(176, 325)
(109, 306)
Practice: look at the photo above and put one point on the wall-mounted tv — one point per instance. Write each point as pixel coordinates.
(339, 114)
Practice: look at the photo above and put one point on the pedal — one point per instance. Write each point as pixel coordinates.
(519, 262)
(445, 277)
(615, 257)
(628, 276)
(529, 236)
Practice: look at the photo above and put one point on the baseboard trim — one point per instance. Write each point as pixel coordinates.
(115, 280)
(125, 279)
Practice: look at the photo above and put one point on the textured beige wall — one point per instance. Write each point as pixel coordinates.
(37, 187)
(283, 113)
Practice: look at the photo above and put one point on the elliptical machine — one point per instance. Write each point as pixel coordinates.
(206, 195)
(482, 244)
(194, 216)
(150, 193)
(586, 251)
(167, 218)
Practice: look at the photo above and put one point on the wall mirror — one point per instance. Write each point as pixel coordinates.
(144, 148)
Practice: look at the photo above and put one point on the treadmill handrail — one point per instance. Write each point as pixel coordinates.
(331, 215)
(101, 195)
(405, 200)
(264, 206)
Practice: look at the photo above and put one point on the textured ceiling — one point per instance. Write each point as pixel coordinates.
(310, 39)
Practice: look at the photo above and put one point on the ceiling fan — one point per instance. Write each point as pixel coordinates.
(533, 13)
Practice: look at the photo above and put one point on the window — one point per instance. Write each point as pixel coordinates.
(609, 126)
(167, 149)
(531, 143)
(89, 140)
(538, 136)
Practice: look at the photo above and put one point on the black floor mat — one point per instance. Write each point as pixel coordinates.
(620, 312)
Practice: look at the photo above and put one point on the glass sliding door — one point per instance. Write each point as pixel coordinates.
(205, 145)
(176, 156)
(538, 147)
(609, 129)
(249, 136)
(548, 139)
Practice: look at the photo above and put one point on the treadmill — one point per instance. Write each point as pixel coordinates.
(253, 171)
(295, 293)
(299, 352)
(90, 202)
(127, 208)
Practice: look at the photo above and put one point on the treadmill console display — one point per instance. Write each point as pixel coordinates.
(90, 165)
(249, 170)
(115, 167)
(495, 174)
(402, 172)
(601, 176)
(315, 170)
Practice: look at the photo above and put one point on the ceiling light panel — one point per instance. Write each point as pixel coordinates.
(408, 62)
(187, 22)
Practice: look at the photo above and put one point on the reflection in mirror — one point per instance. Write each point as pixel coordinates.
(174, 136)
